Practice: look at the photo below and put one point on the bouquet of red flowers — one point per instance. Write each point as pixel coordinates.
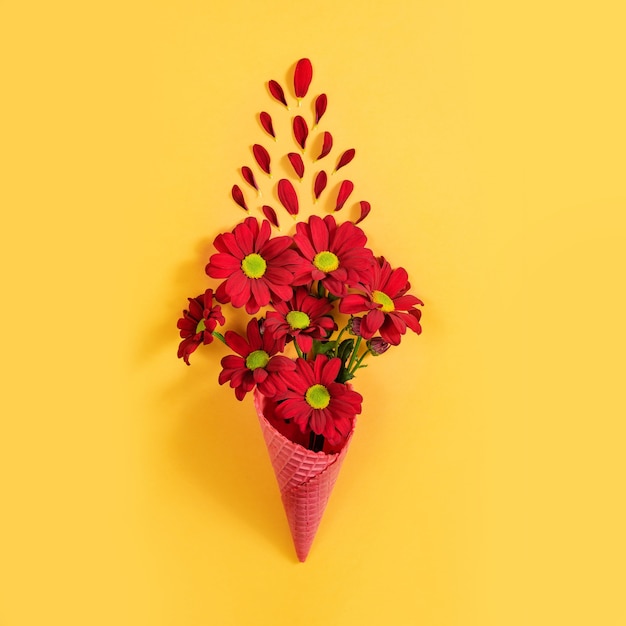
(320, 302)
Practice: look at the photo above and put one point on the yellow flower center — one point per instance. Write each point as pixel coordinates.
(253, 266)
(317, 397)
(298, 320)
(256, 359)
(200, 326)
(386, 303)
(326, 261)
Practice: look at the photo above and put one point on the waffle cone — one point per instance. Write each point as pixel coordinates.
(305, 479)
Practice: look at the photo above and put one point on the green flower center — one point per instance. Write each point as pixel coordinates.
(253, 266)
(326, 261)
(298, 320)
(386, 303)
(200, 327)
(317, 397)
(256, 359)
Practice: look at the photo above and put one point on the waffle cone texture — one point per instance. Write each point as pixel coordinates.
(305, 479)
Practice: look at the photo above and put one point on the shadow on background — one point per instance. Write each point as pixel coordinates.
(213, 439)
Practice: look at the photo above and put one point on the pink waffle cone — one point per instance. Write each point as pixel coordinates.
(305, 479)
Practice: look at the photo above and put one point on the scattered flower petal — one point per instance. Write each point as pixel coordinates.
(344, 193)
(270, 214)
(266, 122)
(365, 209)
(321, 102)
(248, 176)
(288, 196)
(262, 157)
(238, 197)
(277, 92)
(320, 183)
(345, 158)
(300, 130)
(297, 163)
(302, 77)
(326, 146)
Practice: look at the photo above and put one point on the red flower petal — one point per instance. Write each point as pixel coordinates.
(262, 157)
(365, 209)
(296, 162)
(321, 102)
(302, 77)
(344, 193)
(327, 145)
(320, 183)
(266, 122)
(345, 158)
(288, 196)
(300, 130)
(270, 214)
(248, 176)
(238, 197)
(277, 92)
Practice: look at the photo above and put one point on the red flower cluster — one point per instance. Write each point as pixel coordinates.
(299, 352)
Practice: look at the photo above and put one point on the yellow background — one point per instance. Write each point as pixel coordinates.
(485, 484)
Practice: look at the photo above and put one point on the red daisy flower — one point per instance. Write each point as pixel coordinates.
(315, 401)
(304, 318)
(334, 255)
(198, 323)
(257, 269)
(256, 363)
(389, 309)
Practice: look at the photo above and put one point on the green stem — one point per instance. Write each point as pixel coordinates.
(298, 350)
(219, 336)
(343, 330)
(354, 353)
(358, 363)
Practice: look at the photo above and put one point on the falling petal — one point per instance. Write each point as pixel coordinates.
(300, 130)
(248, 176)
(302, 77)
(270, 214)
(277, 92)
(288, 196)
(365, 209)
(321, 102)
(266, 122)
(296, 162)
(345, 158)
(327, 145)
(238, 197)
(344, 193)
(320, 183)
(262, 157)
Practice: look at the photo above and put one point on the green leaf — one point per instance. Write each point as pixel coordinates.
(324, 347)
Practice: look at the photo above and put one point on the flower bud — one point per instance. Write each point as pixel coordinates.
(354, 326)
(378, 345)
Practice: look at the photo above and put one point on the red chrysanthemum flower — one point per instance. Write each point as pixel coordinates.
(256, 363)
(257, 269)
(314, 400)
(389, 309)
(304, 318)
(334, 255)
(198, 323)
